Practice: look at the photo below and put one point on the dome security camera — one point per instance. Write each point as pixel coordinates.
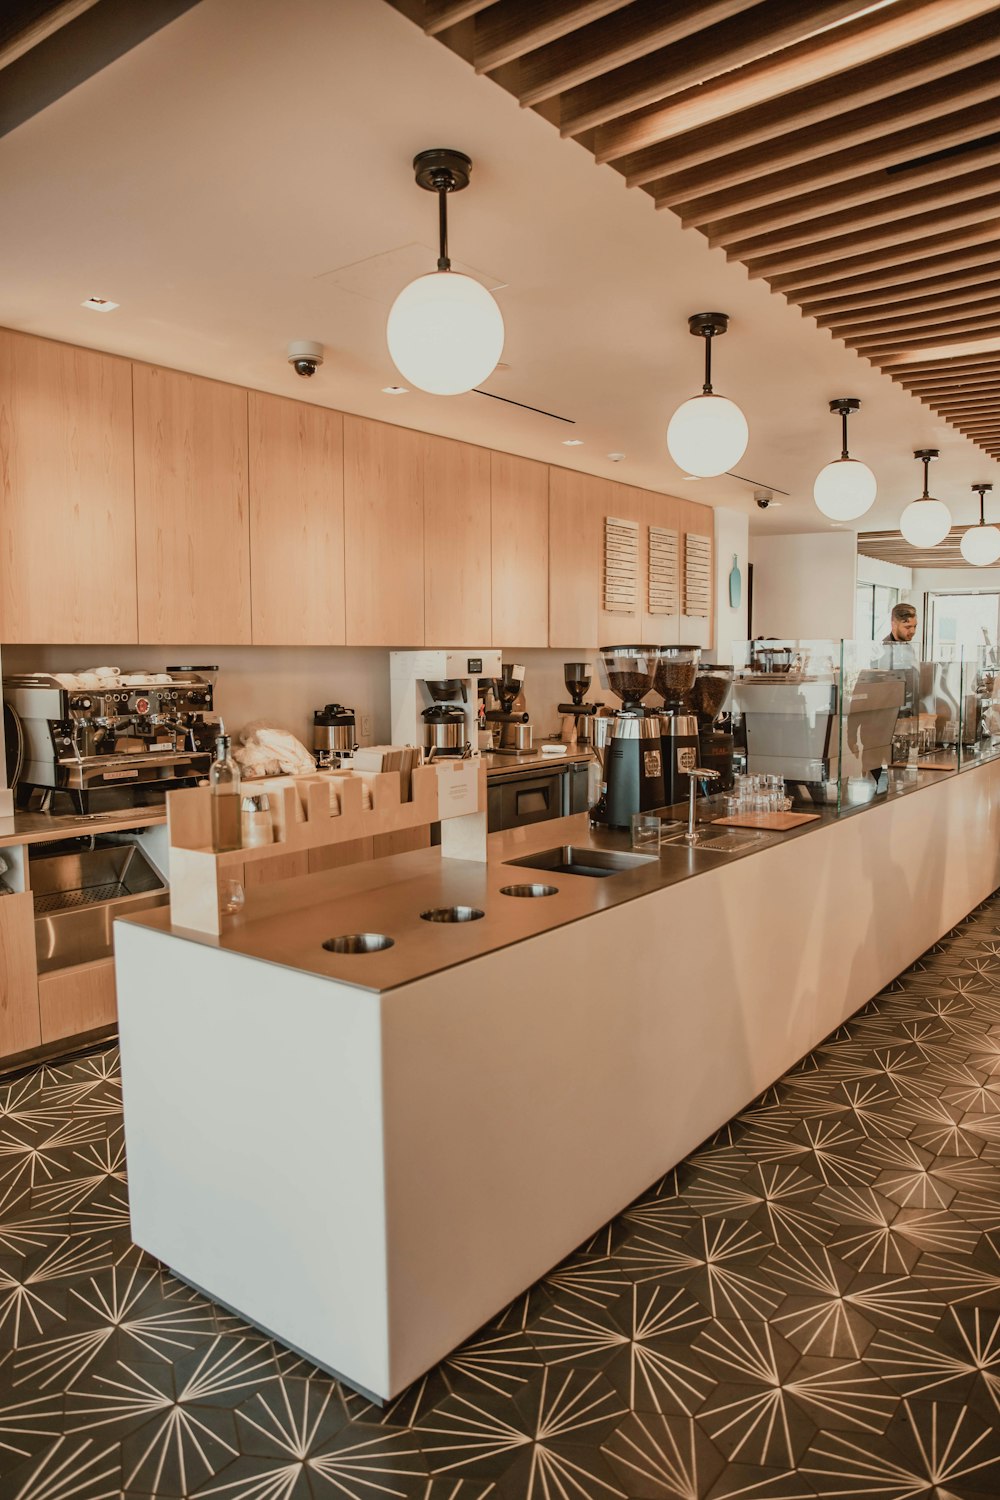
(305, 356)
(763, 499)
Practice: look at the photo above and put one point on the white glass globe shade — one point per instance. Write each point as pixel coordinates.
(924, 523)
(980, 546)
(845, 489)
(445, 333)
(707, 435)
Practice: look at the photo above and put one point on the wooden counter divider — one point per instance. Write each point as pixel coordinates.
(305, 817)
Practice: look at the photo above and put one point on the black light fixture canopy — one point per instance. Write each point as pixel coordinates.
(926, 457)
(843, 406)
(442, 170)
(708, 326)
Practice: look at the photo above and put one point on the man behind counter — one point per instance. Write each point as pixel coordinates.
(900, 655)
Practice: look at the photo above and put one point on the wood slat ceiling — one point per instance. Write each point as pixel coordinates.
(891, 546)
(846, 152)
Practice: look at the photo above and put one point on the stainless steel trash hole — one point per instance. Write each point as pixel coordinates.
(451, 914)
(358, 942)
(529, 890)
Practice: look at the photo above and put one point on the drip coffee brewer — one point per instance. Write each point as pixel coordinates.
(713, 688)
(676, 671)
(513, 730)
(633, 764)
(334, 734)
(577, 677)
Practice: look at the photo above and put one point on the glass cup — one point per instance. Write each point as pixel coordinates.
(233, 896)
(646, 830)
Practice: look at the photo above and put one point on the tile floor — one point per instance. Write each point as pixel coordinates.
(808, 1307)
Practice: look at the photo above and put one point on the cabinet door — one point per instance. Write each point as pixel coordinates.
(577, 506)
(67, 506)
(519, 527)
(296, 523)
(456, 543)
(19, 1023)
(192, 522)
(383, 534)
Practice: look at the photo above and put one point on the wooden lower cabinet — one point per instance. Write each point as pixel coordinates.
(74, 1001)
(19, 1025)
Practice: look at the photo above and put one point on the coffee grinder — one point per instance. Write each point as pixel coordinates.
(514, 729)
(633, 766)
(710, 696)
(577, 677)
(676, 669)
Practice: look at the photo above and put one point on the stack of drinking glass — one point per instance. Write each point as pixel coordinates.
(756, 794)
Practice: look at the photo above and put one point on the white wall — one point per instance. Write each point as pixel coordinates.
(732, 538)
(804, 585)
(877, 570)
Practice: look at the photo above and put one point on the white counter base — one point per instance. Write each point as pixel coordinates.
(372, 1177)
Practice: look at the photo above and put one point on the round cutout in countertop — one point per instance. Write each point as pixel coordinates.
(452, 914)
(529, 890)
(358, 942)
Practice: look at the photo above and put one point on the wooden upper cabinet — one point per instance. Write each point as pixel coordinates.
(192, 520)
(520, 550)
(296, 523)
(383, 533)
(663, 511)
(578, 504)
(456, 544)
(67, 515)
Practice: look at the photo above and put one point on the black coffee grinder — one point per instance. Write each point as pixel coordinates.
(633, 765)
(577, 677)
(676, 670)
(710, 696)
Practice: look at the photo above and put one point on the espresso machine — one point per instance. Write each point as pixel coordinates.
(577, 677)
(434, 699)
(334, 735)
(512, 729)
(674, 680)
(141, 731)
(633, 764)
(713, 688)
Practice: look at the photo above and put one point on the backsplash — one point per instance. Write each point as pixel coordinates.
(284, 684)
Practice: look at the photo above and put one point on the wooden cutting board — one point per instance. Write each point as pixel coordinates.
(779, 821)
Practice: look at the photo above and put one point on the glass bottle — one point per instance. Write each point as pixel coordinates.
(224, 785)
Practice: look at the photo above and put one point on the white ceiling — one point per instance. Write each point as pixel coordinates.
(243, 178)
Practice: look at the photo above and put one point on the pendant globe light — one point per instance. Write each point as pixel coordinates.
(445, 332)
(846, 488)
(709, 433)
(926, 521)
(980, 545)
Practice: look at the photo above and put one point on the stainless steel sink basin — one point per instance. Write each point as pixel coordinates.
(568, 859)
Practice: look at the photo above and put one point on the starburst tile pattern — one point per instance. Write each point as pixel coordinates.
(808, 1307)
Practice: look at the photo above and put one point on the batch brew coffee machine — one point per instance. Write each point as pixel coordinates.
(633, 762)
(434, 699)
(334, 735)
(145, 732)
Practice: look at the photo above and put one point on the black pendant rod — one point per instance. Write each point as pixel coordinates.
(981, 490)
(926, 456)
(444, 264)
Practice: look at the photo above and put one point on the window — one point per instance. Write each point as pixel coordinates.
(956, 620)
(873, 611)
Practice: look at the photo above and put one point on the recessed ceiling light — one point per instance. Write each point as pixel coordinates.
(616, 458)
(572, 442)
(690, 478)
(99, 304)
(395, 390)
